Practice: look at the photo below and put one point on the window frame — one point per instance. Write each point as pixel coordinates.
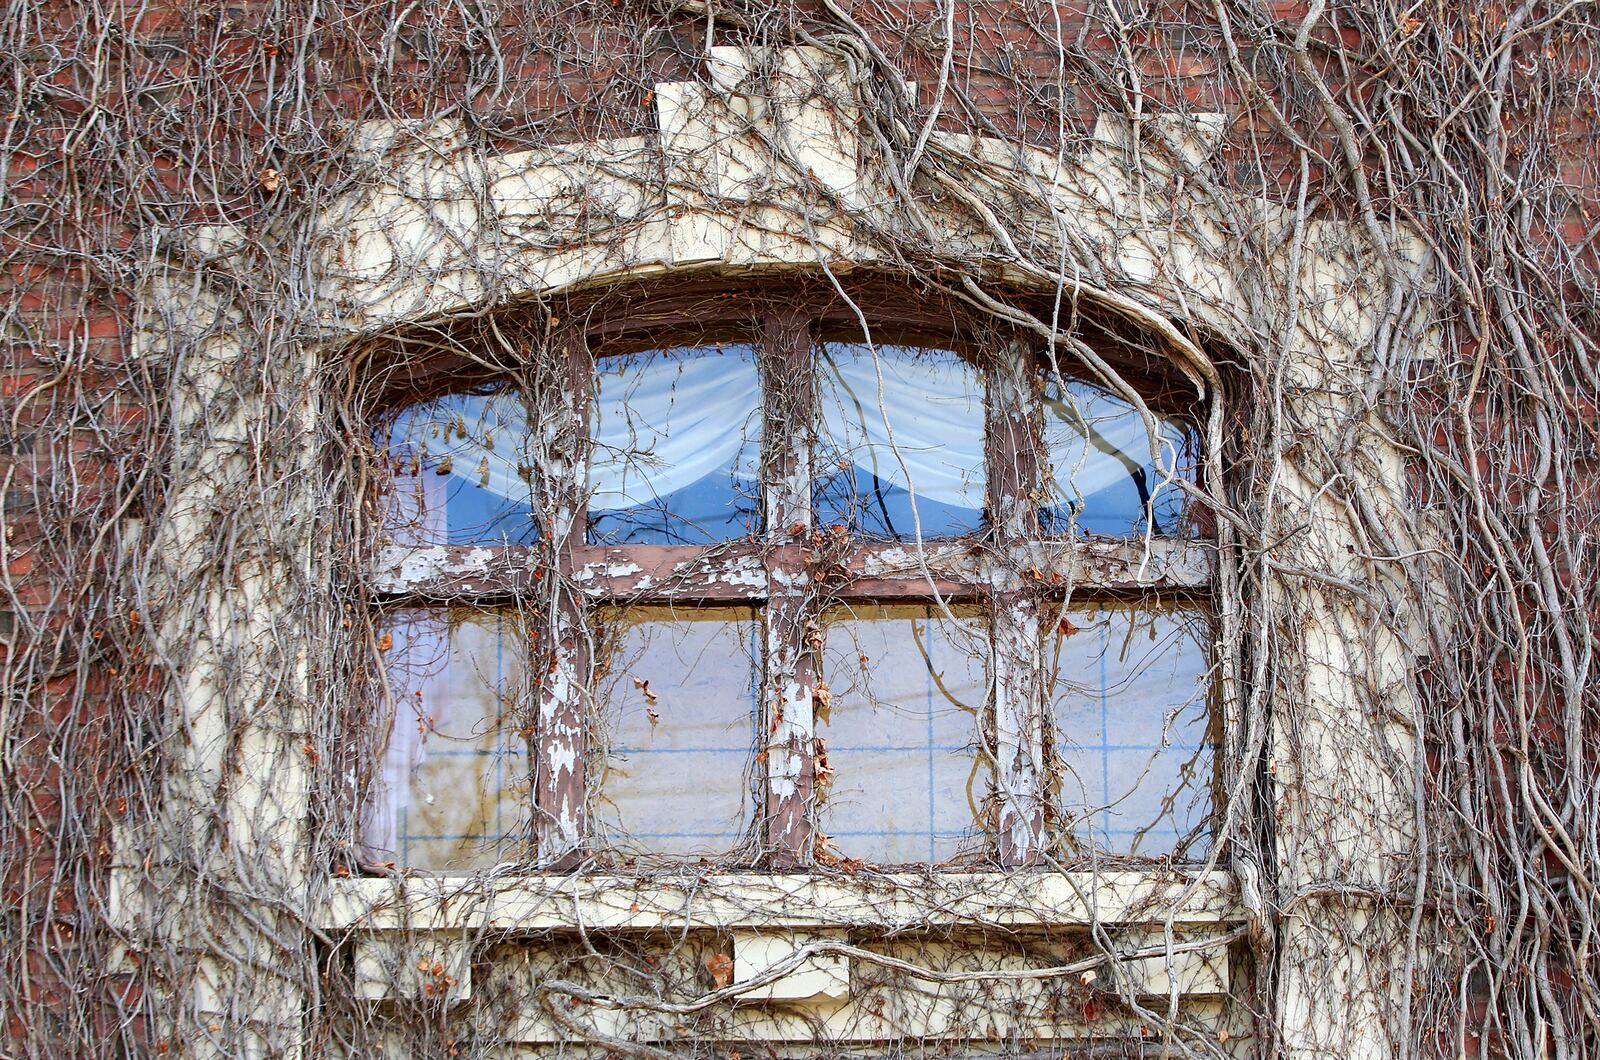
(790, 571)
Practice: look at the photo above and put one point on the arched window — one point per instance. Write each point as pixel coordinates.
(751, 582)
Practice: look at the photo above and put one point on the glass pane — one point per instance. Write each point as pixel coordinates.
(451, 791)
(677, 447)
(679, 700)
(1102, 478)
(907, 685)
(460, 466)
(900, 442)
(1133, 717)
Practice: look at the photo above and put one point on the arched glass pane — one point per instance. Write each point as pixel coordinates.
(1131, 692)
(451, 792)
(908, 685)
(1101, 475)
(900, 443)
(677, 447)
(679, 700)
(460, 472)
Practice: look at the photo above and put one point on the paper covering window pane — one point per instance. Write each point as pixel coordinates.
(1131, 702)
(678, 699)
(900, 444)
(460, 472)
(1102, 477)
(676, 451)
(907, 686)
(451, 790)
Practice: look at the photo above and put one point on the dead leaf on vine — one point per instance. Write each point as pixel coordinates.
(720, 966)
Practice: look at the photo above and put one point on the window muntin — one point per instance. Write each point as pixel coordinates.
(460, 470)
(679, 706)
(900, 446)
(1100, 473)
(1130, 698)
(908, 687)
(805, 570)
(675, 447)
(452, 785)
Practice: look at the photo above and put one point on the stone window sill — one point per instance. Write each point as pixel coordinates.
(793, 961)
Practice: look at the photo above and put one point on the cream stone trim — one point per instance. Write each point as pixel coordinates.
(412, 936)
(794, 901)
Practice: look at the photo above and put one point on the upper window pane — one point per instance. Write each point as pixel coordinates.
(677, 447)
(451, 792)
(460, 472)
(900, 447)
(679, 698)
(1102, 477)
(908, 684)
(1131, 688)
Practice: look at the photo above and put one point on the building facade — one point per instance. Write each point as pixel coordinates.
(812, 532)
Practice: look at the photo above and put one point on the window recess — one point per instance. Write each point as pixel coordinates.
(797, 598)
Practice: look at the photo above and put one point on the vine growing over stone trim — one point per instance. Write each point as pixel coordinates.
(162, 155)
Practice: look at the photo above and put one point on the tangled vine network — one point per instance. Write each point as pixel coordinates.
(134, 131)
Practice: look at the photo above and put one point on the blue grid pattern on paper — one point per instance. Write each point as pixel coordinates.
(753, 698)
(503, 749)
(1175, 823)
(929, 748)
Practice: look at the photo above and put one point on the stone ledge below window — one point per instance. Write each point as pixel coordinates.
(415, 938)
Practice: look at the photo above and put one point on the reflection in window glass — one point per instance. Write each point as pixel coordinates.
(1102, 477)
(1132, 713)
(460, 467)
(907, 686)
(677, 447)
(451, 792)
(901, 435)
(679, 697)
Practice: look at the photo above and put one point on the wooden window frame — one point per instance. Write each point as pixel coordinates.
(792, 571)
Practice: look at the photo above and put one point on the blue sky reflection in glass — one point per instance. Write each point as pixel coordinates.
(677, 447)
(1102, 477)
(460, 464)
(900, 447)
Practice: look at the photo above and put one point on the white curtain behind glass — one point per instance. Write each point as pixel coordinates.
(661, 421)
(666, 420)
(1097, 442)
(934, 402)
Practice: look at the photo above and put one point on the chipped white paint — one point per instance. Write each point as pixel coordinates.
(398, 569)
(590, 571)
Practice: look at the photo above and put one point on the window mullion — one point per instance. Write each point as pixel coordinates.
(562, 655)
(1013, 480)
(789, 683)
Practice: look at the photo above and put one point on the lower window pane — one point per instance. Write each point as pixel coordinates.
(451, 791)
(1133, 717)
(907, 685)
(679, 698)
